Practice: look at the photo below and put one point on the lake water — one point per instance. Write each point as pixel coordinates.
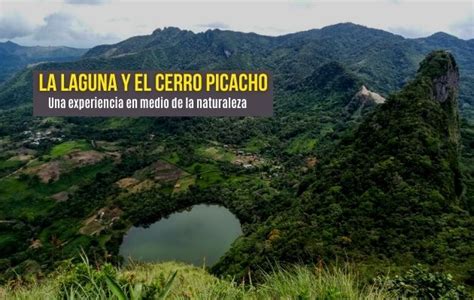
(202, 234)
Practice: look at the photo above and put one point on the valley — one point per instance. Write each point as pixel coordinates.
(363, 161)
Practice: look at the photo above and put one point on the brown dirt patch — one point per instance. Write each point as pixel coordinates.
(311, 162)
(116, 156)
(61, 196)
(247, 159)
(84, 158)
(143, 186)
(51, 171)
(36, 244)
(47, 172)
(127, 182)
(25, 151)
(166, 172)
(102, 219)
(21, 157)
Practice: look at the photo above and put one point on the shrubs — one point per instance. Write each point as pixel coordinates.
(83, 281)
(317, 283)
(179, 281)
(420, 283)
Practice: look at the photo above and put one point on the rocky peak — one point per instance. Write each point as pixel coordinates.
(444, 85)
(167, 30)
(441, 68)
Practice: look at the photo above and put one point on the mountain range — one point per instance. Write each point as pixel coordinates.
(14, 57)
(369, 156)
(366, 52)
(391, 190)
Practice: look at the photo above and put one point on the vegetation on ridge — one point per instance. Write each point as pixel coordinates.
(390, 192)
(385, 187)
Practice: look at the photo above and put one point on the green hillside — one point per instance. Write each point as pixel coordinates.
(350, 168)
(14, 57)
(389, 193)
(383, 60)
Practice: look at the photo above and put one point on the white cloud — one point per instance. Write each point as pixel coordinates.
(13, 26)
(214, 25)
(86, 2)
(464, 28)
(409, 32)
(69, 30)
(113, 20)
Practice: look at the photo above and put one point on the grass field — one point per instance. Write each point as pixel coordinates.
(173, 280)
(10, 165)
(18, 201)
(76, 177)
(216, 153)
(30, 199)
(206, 174)
(301, 144)
(68, 147)
(254, 145)
(172, 158)
(184, 183)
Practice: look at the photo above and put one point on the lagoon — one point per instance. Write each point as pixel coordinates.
(199, 235)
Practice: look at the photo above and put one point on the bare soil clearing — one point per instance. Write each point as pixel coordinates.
(102, 219)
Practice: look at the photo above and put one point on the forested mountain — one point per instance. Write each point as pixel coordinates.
(349, 167)
(14, 57)
(385, 61)
(390, 192)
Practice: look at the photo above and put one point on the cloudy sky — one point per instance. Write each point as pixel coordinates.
(88, 23)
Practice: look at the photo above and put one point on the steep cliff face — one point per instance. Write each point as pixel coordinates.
(441, 69)
(411, 140)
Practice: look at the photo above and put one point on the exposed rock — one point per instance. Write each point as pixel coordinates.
(370, 96)
(363, 99)
(441, 68)
(444, 85)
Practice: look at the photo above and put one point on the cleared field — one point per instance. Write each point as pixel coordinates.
(68, 147)
(10, 165)
(255, 144)
(206, 174)
(302, 144)
(184, 183)
(216, 153)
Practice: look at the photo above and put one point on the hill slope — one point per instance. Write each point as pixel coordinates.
(14, 57)
(389, 192)
(384, 61)
(172, 280)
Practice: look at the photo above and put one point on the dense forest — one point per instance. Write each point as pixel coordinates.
(368, 159)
